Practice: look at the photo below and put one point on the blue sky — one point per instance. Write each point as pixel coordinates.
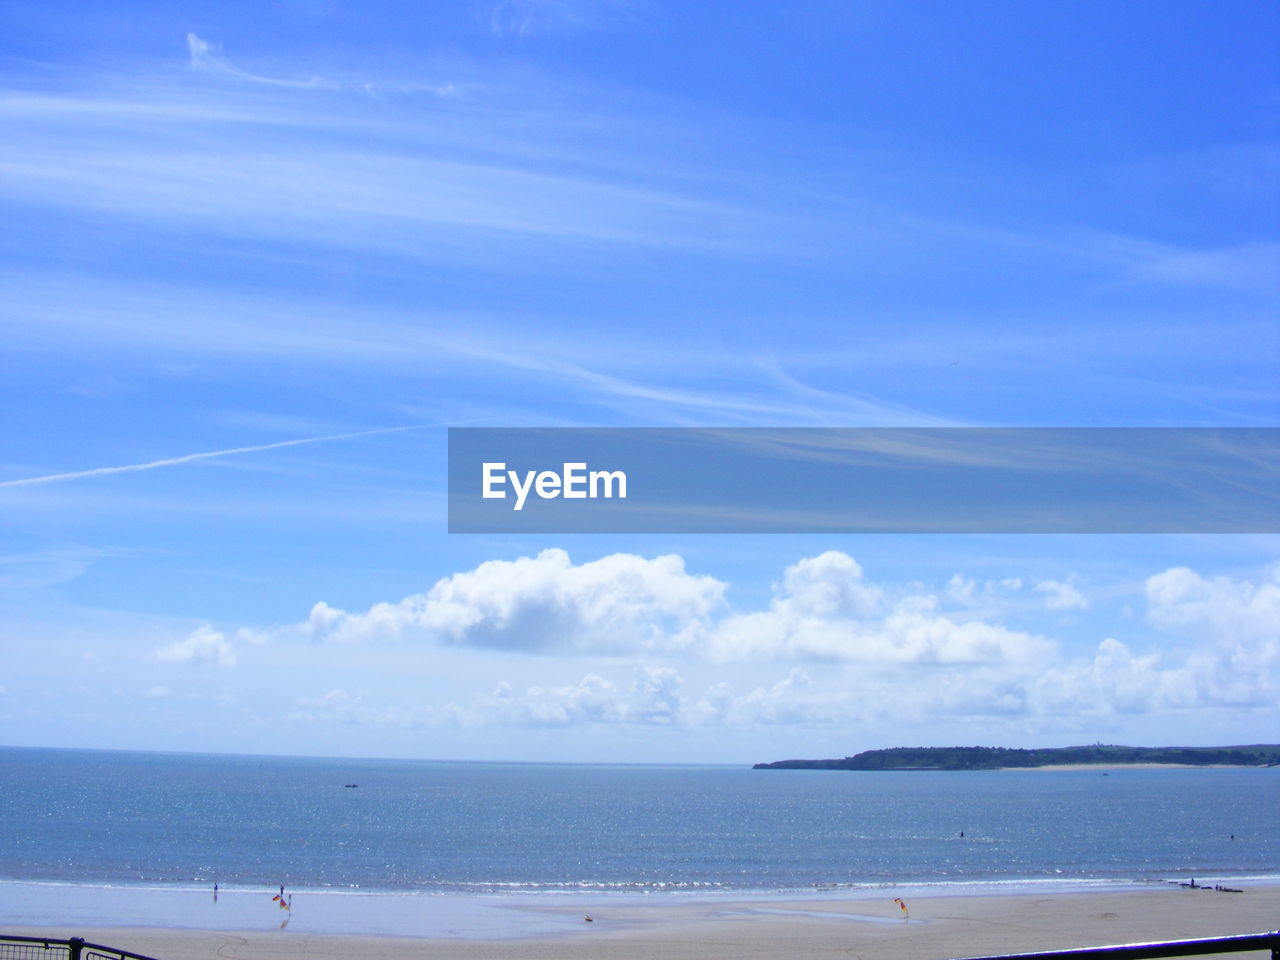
(237, 226)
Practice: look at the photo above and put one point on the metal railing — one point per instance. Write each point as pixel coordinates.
(1150, 951)
(45, 948)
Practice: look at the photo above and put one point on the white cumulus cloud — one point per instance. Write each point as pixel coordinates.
(1234, 624)
(825, 609)
(848, 651)
(968, 590)
(204, 645)
(1114, 680)
(1240, 613)
(620, 602)
(1062, 595)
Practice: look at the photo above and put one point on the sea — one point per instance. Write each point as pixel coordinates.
(423, 848)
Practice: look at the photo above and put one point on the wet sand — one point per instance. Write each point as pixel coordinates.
(941, 927)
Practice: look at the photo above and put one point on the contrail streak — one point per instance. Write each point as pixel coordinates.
(192, 457)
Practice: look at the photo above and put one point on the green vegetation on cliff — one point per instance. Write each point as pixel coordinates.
(994, 758)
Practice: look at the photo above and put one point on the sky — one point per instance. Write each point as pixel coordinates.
(260, 256)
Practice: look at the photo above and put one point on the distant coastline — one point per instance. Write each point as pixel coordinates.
(1006, 758)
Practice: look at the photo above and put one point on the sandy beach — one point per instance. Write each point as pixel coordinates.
(938, 928)
(1110, 767)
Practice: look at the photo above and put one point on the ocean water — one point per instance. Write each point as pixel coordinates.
(173, 824)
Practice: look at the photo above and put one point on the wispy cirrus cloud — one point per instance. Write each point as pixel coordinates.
(205, 59)
(197, 457)
(398, 177)
(642, 383)
(601, 190)
(1251, 267)
(395, 177)
(525, 19)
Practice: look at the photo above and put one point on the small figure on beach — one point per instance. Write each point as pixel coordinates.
(961, 834)
(215, 893)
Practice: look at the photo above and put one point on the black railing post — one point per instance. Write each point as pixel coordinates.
(75, 945)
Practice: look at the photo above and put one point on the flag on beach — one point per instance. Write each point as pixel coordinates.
(902, 906)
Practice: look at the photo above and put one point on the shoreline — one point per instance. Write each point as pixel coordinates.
(1142, 766)
(696, 927)
(1040, 766)
(417, 913)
